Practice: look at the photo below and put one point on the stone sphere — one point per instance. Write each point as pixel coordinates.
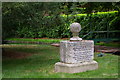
(75, 27)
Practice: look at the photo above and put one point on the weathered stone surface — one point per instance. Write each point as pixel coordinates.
(76, 52)
(55, 44)
(75, 68)
(76, 55)
(75, 29)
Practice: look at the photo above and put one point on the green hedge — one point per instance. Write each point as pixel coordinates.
(94, 22)
(100, 21)
(57, 26)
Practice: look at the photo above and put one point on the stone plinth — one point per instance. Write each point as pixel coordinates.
(75, 68)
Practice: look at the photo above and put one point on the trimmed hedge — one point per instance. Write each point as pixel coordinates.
(100, 21)
(58, 26)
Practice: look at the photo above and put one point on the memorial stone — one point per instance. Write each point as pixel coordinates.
(76, 55)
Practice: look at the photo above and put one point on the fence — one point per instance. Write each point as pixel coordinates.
(95, 31)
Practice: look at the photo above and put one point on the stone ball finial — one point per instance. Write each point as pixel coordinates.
(75, 29)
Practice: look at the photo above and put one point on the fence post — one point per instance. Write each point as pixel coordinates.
(91, 26)
(107, 30)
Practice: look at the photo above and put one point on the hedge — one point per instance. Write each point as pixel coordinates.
(100, 21)
(58, 26)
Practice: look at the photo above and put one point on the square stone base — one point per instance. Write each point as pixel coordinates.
(75, 68)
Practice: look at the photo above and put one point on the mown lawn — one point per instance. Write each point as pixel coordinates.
(41, 64)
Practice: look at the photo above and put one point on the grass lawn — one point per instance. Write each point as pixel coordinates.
(50, 40)
(41, 64)
(35, 40)
(111, 44)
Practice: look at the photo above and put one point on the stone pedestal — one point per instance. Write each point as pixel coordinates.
(75, 68)
(76, 57)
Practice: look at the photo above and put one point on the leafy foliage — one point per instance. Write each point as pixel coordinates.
(28, 17)
(52, 20)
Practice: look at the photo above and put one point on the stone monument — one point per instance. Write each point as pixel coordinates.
(76, 55)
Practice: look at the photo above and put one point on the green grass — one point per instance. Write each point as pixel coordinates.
(35, 40)
(41, 64)
(111, 44)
